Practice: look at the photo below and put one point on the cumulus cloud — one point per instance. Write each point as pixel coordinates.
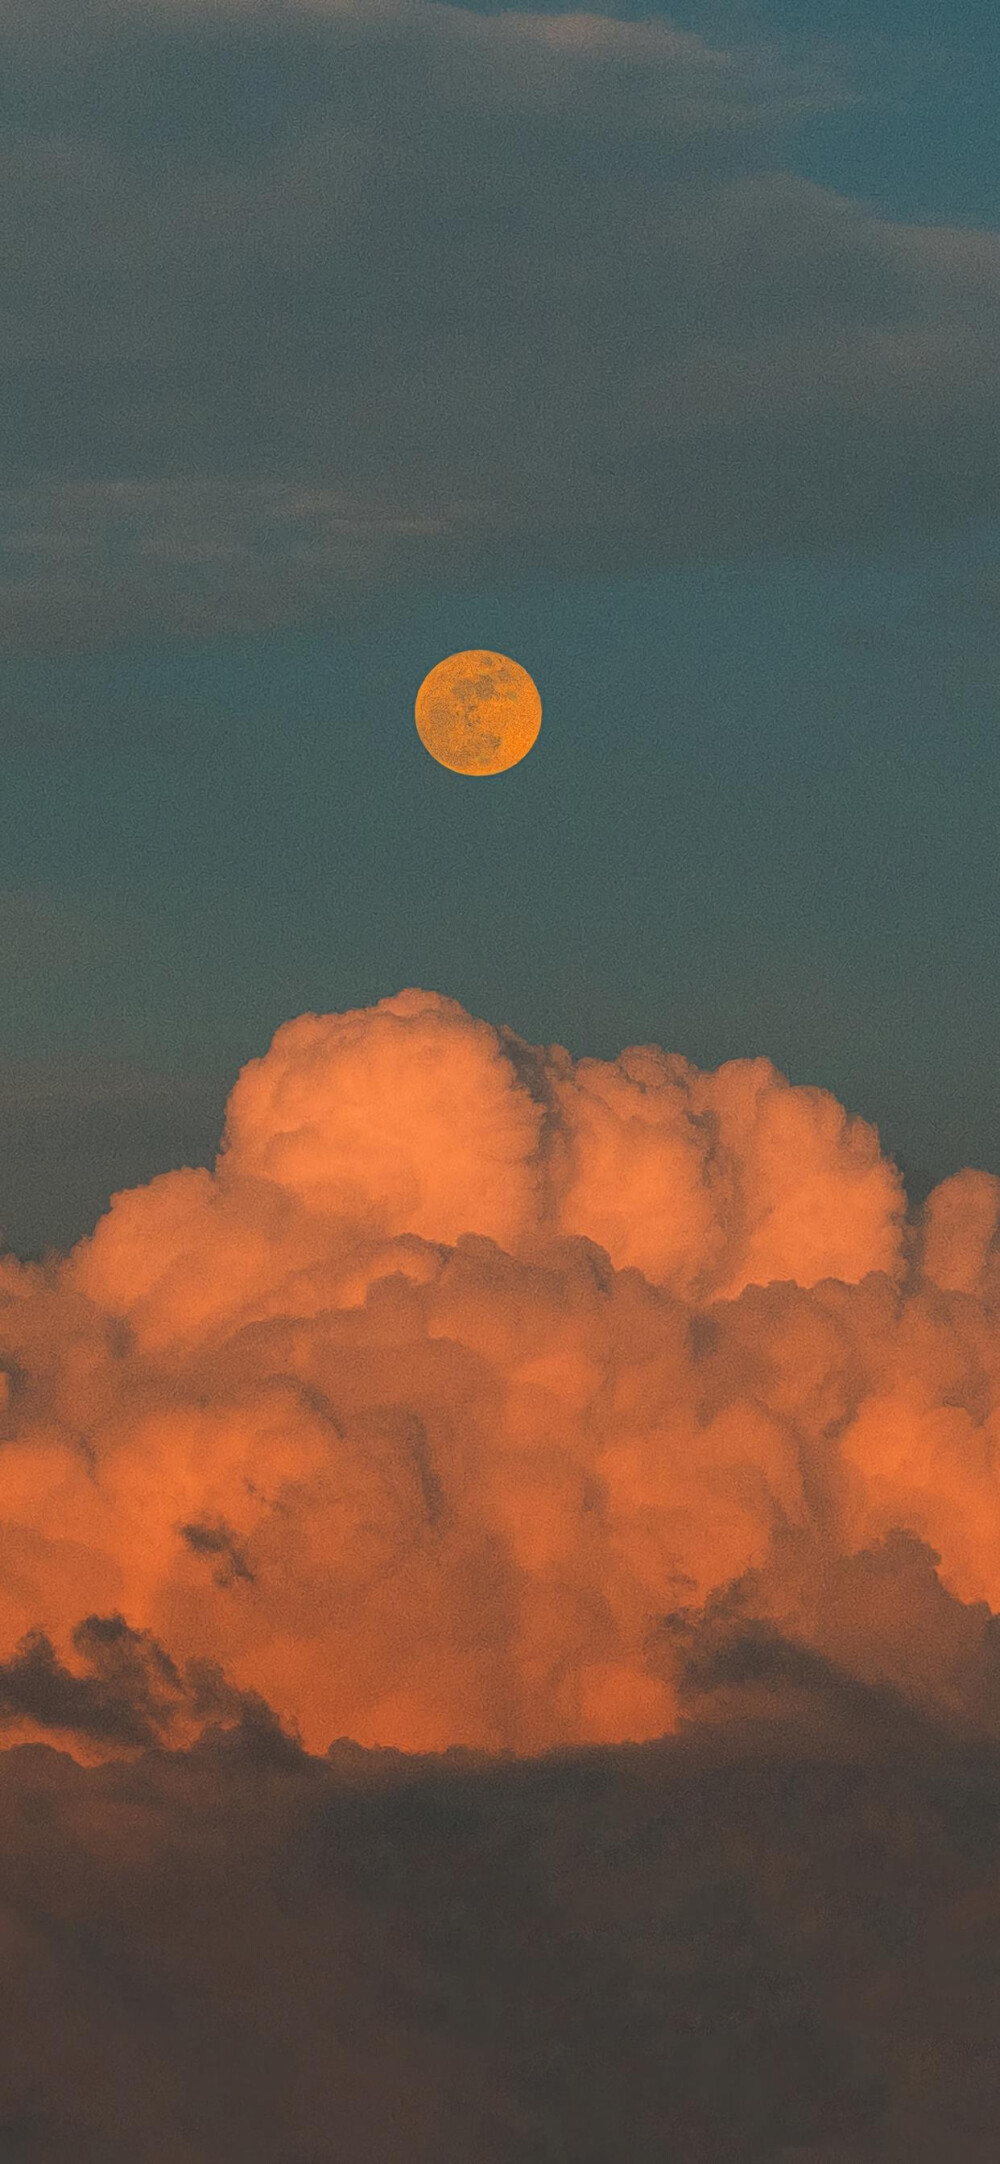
(296, 307)
(482, 1397)
(498, 1651)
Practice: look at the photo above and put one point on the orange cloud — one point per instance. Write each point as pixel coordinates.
(468, 1365)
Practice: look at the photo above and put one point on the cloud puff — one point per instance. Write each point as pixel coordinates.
(297, 307)
(467, 1368)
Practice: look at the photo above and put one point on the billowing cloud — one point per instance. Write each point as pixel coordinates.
(481, 1396)
(298, 306)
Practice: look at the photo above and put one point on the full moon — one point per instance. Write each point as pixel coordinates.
(478, 713)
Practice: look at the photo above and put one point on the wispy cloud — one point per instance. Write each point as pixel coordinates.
(297, 307)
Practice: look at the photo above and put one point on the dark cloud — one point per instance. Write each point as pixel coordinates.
(130, 1693)
(884, 1643)
(219, 1540)
(759, 1940)
(295, 308)
(34, 1683)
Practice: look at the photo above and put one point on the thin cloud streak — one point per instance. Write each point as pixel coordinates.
(420, 294)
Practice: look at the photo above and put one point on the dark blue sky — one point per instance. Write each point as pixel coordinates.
(762, 814)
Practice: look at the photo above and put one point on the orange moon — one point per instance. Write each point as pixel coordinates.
(478, 713)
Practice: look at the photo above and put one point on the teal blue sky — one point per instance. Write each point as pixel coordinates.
(762, 815)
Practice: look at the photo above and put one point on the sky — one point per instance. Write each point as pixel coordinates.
(499, 1277)
(662, 357)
